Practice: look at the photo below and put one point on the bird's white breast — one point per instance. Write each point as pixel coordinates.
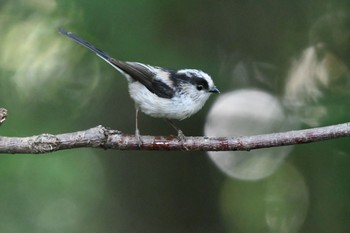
(179, 107)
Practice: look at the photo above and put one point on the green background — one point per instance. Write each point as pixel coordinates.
(51, 85)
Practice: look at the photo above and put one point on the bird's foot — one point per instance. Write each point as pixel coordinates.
(138, 137)
(182, 138)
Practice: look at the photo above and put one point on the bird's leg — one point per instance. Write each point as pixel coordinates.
(137, 132)
(180, 134)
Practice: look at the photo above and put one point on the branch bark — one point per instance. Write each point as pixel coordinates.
(101, 137)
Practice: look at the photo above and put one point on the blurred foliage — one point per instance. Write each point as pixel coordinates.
(50, 84)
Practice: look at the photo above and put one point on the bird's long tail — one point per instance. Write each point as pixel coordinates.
(86, 44)
(131, 70)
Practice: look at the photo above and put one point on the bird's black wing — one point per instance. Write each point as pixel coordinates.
(144, 75)
(135, 70)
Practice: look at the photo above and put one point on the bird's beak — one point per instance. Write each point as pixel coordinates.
(214, 90)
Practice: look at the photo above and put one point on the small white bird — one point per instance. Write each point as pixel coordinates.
(160, 92)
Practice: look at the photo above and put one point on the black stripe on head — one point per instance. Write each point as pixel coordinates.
(199, 82)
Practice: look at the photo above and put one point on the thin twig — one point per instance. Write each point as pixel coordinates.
(101, 137)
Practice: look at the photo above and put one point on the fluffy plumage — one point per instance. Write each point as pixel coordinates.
(160, 92)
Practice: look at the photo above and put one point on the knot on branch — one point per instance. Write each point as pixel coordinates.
(45, 143)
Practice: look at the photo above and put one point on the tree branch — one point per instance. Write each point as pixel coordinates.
(101, 137)
(3, 115)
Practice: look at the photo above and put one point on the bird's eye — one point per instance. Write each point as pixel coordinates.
(199, 87)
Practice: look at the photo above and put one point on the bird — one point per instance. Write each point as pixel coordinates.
(172, 94)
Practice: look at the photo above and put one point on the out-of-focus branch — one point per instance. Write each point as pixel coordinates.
(101, 137)
(3, 115)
